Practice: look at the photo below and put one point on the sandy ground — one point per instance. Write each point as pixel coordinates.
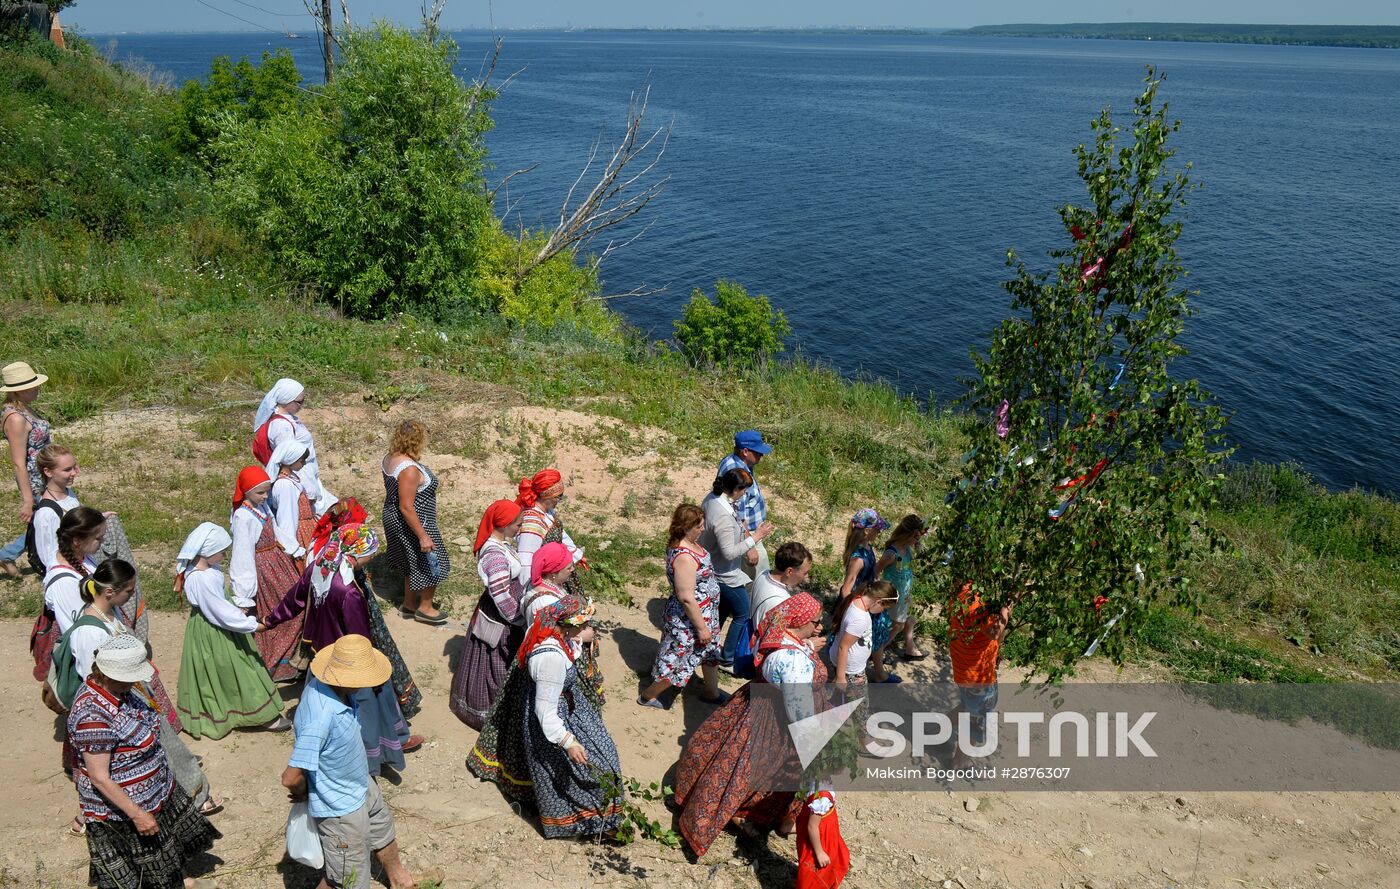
(630, 479)
(447, 819)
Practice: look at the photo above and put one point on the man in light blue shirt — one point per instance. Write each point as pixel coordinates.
(751, 508)
(328, 768)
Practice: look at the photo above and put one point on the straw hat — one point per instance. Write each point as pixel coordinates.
(351, 662)
(20, 376)
(123, 658)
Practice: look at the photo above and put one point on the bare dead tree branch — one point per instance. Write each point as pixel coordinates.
(491, 192)
(431, 12)
(640, 290)
(623, 189)
(483, 79)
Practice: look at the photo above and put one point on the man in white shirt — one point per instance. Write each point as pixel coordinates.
(791, 565)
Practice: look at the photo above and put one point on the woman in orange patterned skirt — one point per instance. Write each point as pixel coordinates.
(261, 572)
(739, 748)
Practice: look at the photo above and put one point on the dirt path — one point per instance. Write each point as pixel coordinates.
(448, 819)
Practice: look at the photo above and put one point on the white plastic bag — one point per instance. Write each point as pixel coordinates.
(303, 843)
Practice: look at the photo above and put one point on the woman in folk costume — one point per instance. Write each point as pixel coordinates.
(290, 501)
(261, 571)
(545, 742)
(335, 606)
(539, 498)
(498, 624)
(734, 751)
(279, 411)
(350, 512)
(223, 683)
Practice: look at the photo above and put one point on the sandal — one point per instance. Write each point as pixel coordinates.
(916, 656)
(890, 680)
(212, 806)
(437, 620)
(76, 829)
(654, 703)
(412, 744)
(719, 699)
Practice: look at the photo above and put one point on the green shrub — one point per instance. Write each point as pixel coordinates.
(735, 327)
(558, 292)
(374, 194)
(233, 93)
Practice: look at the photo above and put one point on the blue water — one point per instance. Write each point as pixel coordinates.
(870, 185)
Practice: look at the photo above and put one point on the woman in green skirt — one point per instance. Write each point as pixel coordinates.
(223, 682)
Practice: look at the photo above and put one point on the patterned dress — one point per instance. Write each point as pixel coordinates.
(680, 654)
(403, 551)
(900, 573)
(514, 753)
(281, 647)
(734, 751)
(40, 436)
(127, 729)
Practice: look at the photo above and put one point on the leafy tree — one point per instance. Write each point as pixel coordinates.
(735, 327)
(1084, 491)
(375, 193)
(234, 93)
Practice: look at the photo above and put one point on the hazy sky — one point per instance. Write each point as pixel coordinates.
(106, 16)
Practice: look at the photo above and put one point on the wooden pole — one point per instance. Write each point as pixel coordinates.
(327, 40)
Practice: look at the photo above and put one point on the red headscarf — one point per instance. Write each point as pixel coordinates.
(342, 512)
(248, 479)
(497, 515)
(531, 489)
(791, 612)
(548, 559)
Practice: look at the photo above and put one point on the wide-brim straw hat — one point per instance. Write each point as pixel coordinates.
(20, 376)
(352, 662)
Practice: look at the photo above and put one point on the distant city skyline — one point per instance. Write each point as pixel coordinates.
(111, 16)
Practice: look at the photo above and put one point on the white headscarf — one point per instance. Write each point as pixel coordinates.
(284, 391)
(288, 451)
(206, 540)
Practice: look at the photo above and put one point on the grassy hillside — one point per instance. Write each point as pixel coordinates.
(122, 284)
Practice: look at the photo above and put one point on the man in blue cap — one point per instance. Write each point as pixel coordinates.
(749, 448)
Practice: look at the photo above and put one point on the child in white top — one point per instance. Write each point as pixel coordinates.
(851, 644)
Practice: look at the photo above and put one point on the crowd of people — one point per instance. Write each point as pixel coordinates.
(295, 609)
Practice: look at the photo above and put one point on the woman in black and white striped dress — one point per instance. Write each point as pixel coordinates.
(411, 524)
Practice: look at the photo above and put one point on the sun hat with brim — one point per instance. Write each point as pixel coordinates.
(351, 662)
(122, 658)
(20, 376)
